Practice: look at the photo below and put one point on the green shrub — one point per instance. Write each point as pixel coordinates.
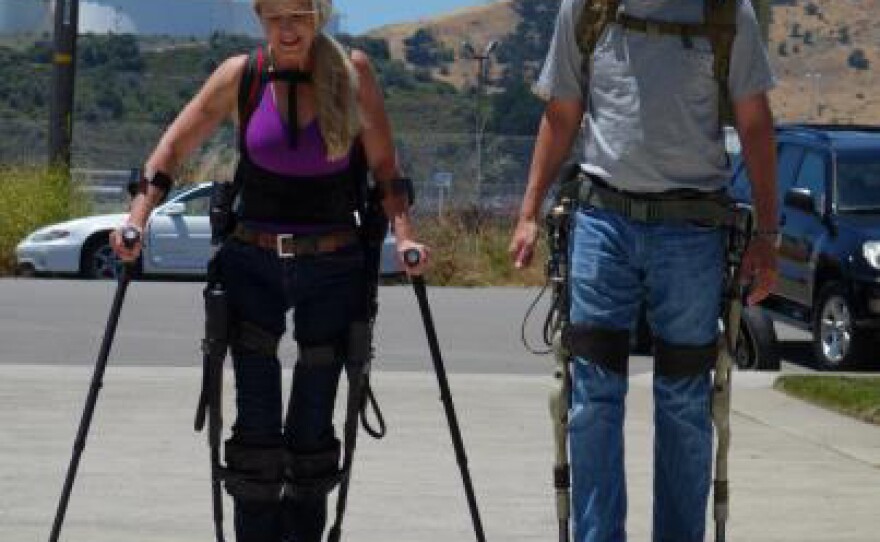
(470, 249)
(31, 197)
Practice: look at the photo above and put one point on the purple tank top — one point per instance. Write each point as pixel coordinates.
(269, 147)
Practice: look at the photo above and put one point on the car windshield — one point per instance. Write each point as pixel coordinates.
(858, 183)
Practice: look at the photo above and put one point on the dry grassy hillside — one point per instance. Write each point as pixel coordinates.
(815, 81)
(479, 25)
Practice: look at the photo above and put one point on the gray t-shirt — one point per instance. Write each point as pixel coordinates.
(651, 102)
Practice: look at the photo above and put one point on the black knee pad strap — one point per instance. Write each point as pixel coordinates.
(604, 346)
(682, 361)
(254, 473)
(314, 474)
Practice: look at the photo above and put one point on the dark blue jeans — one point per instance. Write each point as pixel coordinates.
(326, 293)
(677, 270)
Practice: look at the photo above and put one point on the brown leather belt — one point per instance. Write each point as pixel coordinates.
(289, 245)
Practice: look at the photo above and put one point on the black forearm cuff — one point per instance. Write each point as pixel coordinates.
(162, 181)
(397, 187)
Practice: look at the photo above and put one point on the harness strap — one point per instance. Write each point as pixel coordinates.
(293, 78)
(252, 82)
(595, 18)
(718, 26)
(720, 18)
(655, 27)
(710, 209)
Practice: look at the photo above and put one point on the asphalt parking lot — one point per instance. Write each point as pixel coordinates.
(60, 322)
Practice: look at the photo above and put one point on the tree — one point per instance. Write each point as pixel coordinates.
(120, 52)
(516, 111)
(375, 48)
(858, 60)
(424, 50)
(524, 49)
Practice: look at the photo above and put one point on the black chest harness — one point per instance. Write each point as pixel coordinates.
(265, 196)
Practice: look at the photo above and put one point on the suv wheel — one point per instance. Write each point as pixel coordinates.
(756, 344)
(836, 341)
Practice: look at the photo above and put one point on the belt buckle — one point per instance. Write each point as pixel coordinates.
(284, 244)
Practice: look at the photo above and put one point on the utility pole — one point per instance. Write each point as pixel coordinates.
(63, 77)
(479, 121)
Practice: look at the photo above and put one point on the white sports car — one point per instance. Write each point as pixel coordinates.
(177, 243)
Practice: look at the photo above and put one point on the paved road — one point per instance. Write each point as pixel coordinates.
(60, 322)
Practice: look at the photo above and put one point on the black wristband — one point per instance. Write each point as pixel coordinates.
(397, 187)
(162, 181)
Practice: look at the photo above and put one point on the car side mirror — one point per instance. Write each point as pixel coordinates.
(174, 209)
(801, 199)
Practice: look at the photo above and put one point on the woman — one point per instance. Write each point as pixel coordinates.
(294, 247)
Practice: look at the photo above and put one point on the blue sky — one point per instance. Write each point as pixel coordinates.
(362, 15)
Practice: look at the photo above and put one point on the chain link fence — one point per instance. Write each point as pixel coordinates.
(448, 176)
(444, 167)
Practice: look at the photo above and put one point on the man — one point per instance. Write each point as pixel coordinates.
(653, 133)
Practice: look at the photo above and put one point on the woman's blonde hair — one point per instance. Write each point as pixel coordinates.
(336, 84)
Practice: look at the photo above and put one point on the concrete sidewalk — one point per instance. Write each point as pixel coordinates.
(798, 473)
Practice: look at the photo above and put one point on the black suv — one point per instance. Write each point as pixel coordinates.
(829, 255)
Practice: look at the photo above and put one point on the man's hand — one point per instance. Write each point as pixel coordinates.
(522, 246)
(759, 269)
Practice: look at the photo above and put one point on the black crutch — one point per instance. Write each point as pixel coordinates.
(130, 236)
(412, 258)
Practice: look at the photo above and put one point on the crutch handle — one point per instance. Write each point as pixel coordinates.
(412, 257)
(130, 236)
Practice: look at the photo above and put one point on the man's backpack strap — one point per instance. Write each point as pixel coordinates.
(253, 80)
(594, 19)
(720, 20)
(719, 27)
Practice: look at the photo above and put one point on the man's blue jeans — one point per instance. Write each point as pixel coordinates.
(326, 292)
(677, 271)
